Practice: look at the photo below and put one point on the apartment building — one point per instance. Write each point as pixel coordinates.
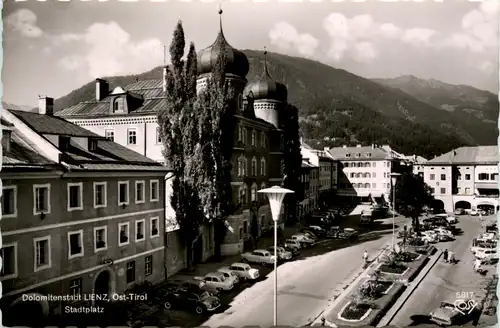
(81, 215)
(364, 172)
(465, 177)
(310, 180)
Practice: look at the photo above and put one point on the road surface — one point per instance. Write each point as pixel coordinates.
(445, 280)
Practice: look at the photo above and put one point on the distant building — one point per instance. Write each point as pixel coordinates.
(465, 177)
(364, 172)
(128, 116)
(310, 183)
(81, 215)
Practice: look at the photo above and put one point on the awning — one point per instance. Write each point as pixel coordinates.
(486, 185)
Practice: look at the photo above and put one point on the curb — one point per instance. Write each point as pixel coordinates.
(407, 293)
(347, 288)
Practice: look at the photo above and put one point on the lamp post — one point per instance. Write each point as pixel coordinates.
(394, 179)
(275, 195)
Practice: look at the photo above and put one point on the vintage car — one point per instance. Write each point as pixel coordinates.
(308, 234)
(191, 284)
(447, 314)
(217, 281)
(230, 275)
(186, 299)
(292, 243)
(293, 250)
(459, 211)
(304, 240)
(317, 230)
(244, 271)
(444, 234)
(261, 256)
(348, 233)
(282, 253)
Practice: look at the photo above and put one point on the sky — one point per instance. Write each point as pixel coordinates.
(52, 48)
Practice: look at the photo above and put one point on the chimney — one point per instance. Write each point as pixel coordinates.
(6, 138)
(45, 105)
(101, 89)
(164, 78)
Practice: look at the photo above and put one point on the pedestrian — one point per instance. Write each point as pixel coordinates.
(323, 321)
(445, 256)
(365, 256)
(451, 257)
(477, 264)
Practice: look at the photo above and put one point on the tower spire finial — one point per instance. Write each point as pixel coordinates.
(266, 72)
(220, 15)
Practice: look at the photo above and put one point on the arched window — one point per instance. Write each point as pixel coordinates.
(359, 164)
(245, 166)
(367, 175)
(359, 175)
(367, 164)
(261, 195)
(262, 166)
(254, 138)
(367, 185)
(254, 192)
(243, 194)
(263, 139)
(254, 166)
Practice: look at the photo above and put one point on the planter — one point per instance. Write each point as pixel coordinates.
(353, 312)
(408, 257)
(396, 270)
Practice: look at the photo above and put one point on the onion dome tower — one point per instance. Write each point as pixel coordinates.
(267, 96)
(236, 67)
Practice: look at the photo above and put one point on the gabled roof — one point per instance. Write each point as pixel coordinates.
(468, 155)
(366, 153)
(22, 154)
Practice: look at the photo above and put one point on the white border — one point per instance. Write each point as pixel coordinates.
(39, 186)
(76, 232)
(105, 197)
(143, 230)
(68, 186)
(96, 250)
(16, 271)
(157, 218)
(13, 215)
(49, 254)
(120, 225)
(128, 192)
(151, 199)
(138, 182)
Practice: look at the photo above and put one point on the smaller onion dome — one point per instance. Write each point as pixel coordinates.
(236, 61)
(266, 87)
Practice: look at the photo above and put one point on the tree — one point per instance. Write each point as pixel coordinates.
(292, 160)
(178, 122)
(412, 195)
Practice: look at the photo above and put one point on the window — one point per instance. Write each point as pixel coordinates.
(139, 230)
(100, 194)
(154, 227)
(467, 191)
(367, 185)
(9, 202)
(154, 190)
(148, 265)
(92, 145)
(245, 227)
(443, 177)
(467, 177)
(254, 167)
(9, 261)
(374, 175)
(459, 176)
(118, 105)
(109, 134)
(41, 199)
(42, 253)
(124, 238)
(263, 139)
(353, 175)
(282, 167)
(443, 190)
(100, 239)
(254, 192)
(243, 195)
(459, 190)
(130, 272)
(254, 138)
(131, 136)
(432, 176)
(262, 166)
(75, 287)
(140, 192)
(358, 155)
(347, 155)
(75, 244)
(483, 176)
(433, 191)
(494, 176)
(158, 135)
(75, 196)
(122, 193)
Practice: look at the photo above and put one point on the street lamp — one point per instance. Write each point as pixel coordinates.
(394, 179)
(275, 195)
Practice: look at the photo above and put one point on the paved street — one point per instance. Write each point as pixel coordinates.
(444, 280)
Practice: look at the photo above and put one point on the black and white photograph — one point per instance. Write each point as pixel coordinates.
(249, 163)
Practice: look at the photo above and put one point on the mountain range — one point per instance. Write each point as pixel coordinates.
(414, 116)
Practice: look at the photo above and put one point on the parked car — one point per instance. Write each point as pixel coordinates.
(230, 275)
(444, 234)
(317, 230)
(333, 232)
(474, 212)
(492, 228)
(447, 314)
(292, 243)
(366, 219)
(244, 271)
(308, 233)
(217, 281)
(196, 286)
(486, 255)
(295, 251)
(459, 211)
(429, 236)
(183, 298)
(260, 256)
(348, 233)
(282, 253)
(303, 239)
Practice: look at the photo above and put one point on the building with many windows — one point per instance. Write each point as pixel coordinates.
(364, 172)
(128, 115)
(309, 179)
(81, 215)
(465, 177)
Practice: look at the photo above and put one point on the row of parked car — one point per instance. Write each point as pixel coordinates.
(484, 247)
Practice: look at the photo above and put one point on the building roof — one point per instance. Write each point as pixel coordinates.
(306, 164)
(468, 155)
(107, 156)
(365, 153)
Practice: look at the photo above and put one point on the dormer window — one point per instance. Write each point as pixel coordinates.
(118, 105)
(368, 155)
(358, 155)
(347, 155)
(92, 145)
(64, 142)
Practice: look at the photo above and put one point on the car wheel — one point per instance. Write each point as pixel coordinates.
(167, 305)
(199, 309)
